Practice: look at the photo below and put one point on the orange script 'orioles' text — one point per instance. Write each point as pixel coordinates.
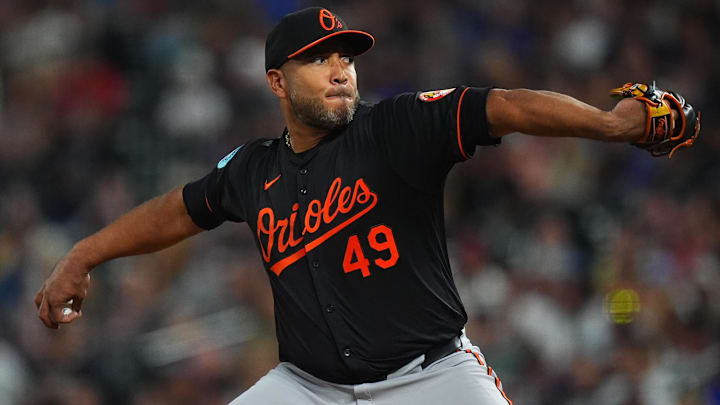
(280, 234)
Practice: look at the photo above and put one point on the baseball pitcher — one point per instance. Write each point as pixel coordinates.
(346, 208)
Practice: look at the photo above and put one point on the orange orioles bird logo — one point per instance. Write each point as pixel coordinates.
(434, 95)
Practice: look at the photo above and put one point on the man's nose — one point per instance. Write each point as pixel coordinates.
(339, 76)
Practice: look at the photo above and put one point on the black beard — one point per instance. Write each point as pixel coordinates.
(312, 112)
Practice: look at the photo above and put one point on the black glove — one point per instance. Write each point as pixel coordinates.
(663, 135)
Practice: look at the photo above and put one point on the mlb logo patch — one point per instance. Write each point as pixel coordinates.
(434, 95)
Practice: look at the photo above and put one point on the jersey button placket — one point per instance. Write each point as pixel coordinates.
(322, 285)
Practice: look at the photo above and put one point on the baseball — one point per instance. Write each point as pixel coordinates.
(66, 311)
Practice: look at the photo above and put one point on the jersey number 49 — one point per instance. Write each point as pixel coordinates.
(381, 239)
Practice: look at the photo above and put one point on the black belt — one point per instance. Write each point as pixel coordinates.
(440, 351)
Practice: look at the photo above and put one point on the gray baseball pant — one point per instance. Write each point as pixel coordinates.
(461, 378)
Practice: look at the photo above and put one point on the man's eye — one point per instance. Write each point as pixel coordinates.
(348, 59)
(318, 59)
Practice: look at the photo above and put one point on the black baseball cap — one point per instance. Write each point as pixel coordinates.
(301, 30)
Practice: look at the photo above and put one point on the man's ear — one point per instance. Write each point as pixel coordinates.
(276, 81)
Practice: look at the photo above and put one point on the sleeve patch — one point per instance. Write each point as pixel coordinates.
(227, 158)
(434, 95)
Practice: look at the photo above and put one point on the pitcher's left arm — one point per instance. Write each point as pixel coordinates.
(653, 119)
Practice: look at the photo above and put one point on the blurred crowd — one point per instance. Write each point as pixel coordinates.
(107, 103)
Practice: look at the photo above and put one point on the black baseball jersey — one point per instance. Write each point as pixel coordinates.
(351, 232)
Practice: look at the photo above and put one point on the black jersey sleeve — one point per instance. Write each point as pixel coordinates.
(424, 134)
(214, 199)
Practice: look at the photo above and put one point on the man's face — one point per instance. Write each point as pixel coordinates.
(322, 86)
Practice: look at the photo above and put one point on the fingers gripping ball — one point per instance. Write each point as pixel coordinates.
(663, 135)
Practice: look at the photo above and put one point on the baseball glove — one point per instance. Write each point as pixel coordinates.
(663, 135)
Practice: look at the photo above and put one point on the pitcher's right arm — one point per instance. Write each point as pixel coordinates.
(152, 226)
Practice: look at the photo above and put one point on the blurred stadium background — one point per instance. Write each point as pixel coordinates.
(106, 103)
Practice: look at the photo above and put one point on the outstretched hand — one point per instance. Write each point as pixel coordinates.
(61, 296)
(631, 115)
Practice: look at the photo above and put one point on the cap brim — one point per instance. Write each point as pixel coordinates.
(359, 42)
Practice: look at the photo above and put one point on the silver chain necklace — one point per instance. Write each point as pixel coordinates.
(287, 141)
